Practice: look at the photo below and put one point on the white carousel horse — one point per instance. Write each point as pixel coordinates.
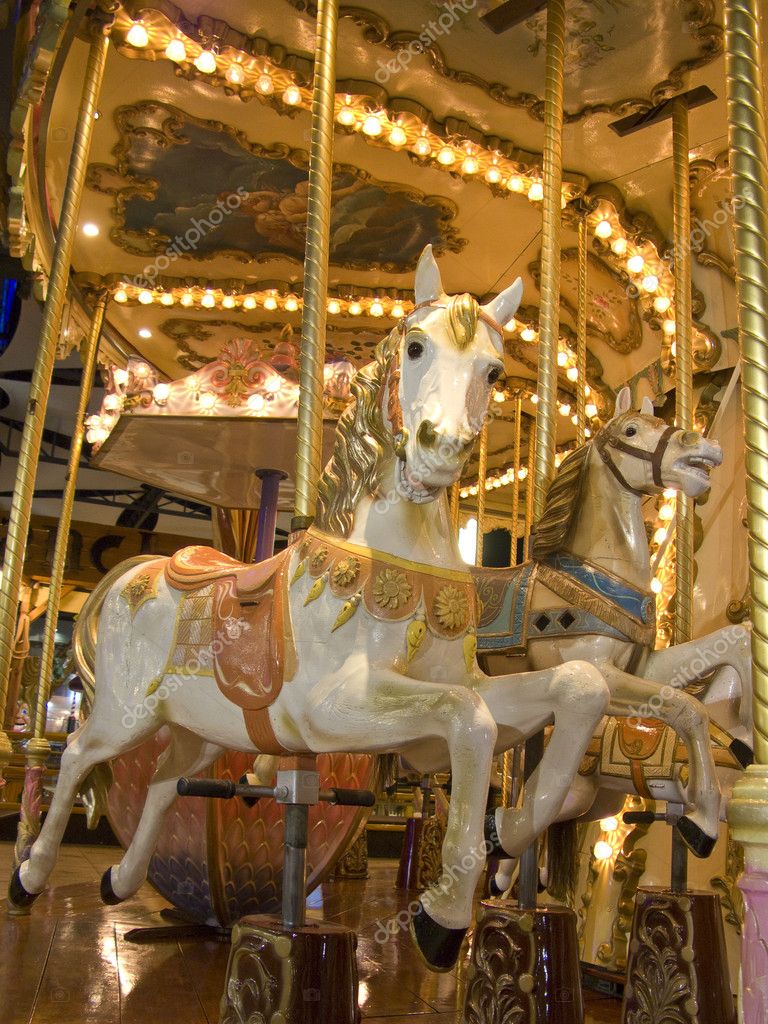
(360, 637)
(586, 594)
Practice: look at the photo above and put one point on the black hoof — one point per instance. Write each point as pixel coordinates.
(742, 753)
(493, 888)
(697, 841)
(491, 835)
(439, 946)
(108, 894)
(18, 896)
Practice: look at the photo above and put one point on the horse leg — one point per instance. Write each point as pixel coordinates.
(89, 746)
(636, 698)
(576, 694)
(187, 754)
(368, 708)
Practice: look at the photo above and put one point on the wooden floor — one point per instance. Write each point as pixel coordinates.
(69, 961)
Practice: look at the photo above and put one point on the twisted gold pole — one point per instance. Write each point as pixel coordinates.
(309, 429)
(482, 473)
(454, 508)
(88, 355)
(549, 316)
(581, 338)
(683, 363)
(529, 486)
(31, 438)
(749, 175)
(516, 479)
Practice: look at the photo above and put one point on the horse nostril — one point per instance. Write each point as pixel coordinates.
(426, 434)
(690, 438)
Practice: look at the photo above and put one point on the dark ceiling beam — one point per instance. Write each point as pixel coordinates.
(167, 504)
(507, 15)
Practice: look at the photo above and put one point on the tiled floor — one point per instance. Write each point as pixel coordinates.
(69, 961)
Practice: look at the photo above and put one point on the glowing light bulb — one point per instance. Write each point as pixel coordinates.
(528, 334)
(235, 73)
(564, 409)
(522, 473)
(291, 303)
(90, 230)
(572, 373)
(166, 299)
(609, 824)
(587, 390)
(141, 370)
(656, 586)
(603, 229)
(292, 96)
(635, 264)
(208, 300)
(334, 307)
(515, 183)
(207, 399)
(355, 309)
(160, 392)
(144, 332)
(662, 303)
(376, 308)
(372, 126)
(397, 311)
(602, 850)
(590, 409)
(666, 513)
(660, 535)
(145, 297)
(187, 299)
(562, 358)
(397, 136)
(346, 115)
(499, 396)
(273, 384)
(111, 402)
(493, 175)
(228, 302)
(249, 302)
(469, 165)
(120, 376)
(619, 246)
(446, 156)
(536, 192)
(422, 147)
(650, 283)
(255, 402)
(137, 35)
(264, 84)
(668, 327)
(205, 62)
(534, 399)
(270, 302)
(669, 493)
(121, 295)
(176, 51)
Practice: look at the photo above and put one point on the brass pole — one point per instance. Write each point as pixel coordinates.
(29, 450)
(88, 355)
(581, 338)
(309, 429)
(482, 473)
(749, 175)
(516, 479)
(529, 485)
(683, 363)
(455, 498)
(549, 315)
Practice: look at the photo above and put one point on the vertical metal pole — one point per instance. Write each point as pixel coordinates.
(482, 473)
(265, 533)
(683, 362)
(39, 390)
(295, 865)
(516, 479)
(309, 430)
(549, 336)
(529, 486)
(454, 509)
(581, 338)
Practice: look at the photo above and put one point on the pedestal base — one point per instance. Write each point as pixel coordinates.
(354, 863)
(524, 967)
(678, 968)
(280, 975)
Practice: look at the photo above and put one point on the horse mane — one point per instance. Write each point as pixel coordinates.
(563, 502)
(361, 436)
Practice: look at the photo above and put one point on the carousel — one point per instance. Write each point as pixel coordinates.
(384, 601)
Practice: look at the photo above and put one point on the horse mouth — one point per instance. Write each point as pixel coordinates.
(699, 466)
(419, 493)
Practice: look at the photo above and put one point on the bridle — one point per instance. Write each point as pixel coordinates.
(606, 440)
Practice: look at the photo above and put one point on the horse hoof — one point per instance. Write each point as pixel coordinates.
(493, 843)
(743, 753)
(494, 889)
(108, 894)
(18, 897)
(439, 946)
(697, 841)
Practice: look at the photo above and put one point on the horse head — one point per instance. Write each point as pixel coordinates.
(647, 456)
(447, 355)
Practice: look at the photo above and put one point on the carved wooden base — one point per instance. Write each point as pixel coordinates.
(524, 967)
(354, 863)
(421, 862)
(280, 975)
(678, 968)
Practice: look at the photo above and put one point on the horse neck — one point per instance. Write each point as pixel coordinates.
(609, 530)
(421, 533)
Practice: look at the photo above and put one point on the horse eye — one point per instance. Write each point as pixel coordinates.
(415, 349)
(494, 374)
(630, 431)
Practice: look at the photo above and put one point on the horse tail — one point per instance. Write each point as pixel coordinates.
(562, 860)
(95, 787)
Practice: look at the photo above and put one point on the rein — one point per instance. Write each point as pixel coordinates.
(605, 441)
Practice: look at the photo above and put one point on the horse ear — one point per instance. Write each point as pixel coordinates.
(623, 402)
(428, 286)
(504, 306)
(647, 407)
